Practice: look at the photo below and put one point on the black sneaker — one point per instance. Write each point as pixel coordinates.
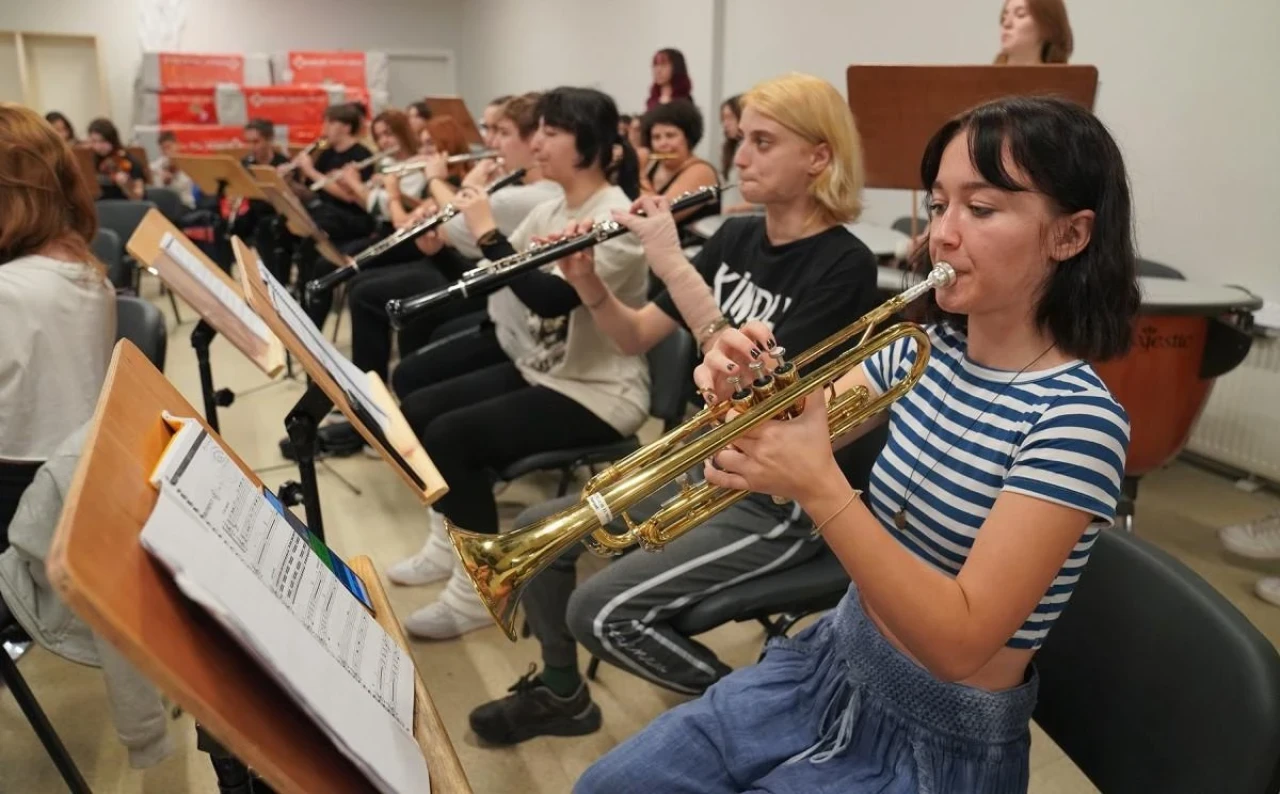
(534, 710)
(336, 440)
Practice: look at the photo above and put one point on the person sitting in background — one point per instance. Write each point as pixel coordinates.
(256, 221)
(165, 174)
(120, 175)
(544, 377)
(670, 133)
(334, 207)
(489, 120)
(670, 79)
(447, 139)
(731, 130)
(419, 114)
(1034, 32)
(62, 125)
(796, 270)
(57, 309)
(449, 252)
(392, 134)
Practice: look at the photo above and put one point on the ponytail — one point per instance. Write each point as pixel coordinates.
(624, 171)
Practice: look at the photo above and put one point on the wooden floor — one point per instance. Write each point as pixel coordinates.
(1179, 508)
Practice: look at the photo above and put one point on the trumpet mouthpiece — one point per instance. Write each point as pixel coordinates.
(942, 275)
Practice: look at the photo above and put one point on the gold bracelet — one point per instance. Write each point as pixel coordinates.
(712, 327)
(817, 531)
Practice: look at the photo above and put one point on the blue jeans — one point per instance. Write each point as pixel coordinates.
(838, 709)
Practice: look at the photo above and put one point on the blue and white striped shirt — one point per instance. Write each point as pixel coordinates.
(967, 433)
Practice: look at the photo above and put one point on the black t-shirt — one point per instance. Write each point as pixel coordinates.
(277, 159)
(109, 166)
(331, 160)
(805, 290)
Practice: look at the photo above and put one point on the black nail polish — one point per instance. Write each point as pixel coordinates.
(772, 343)
(730, 367)
(755, 352)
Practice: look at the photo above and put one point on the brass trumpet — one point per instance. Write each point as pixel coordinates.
(500, 566)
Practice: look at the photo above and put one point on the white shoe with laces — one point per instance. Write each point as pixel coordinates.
(1268, 589)
(1259, 539)
(456, 612)
(433, 563)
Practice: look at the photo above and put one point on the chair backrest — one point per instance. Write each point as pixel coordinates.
(15, 476)
(1156, 270)
(143, 324)
(903, 224)
(1152, 681)
(109, 249)
(122, 216)
(671, 364)
(168, 202)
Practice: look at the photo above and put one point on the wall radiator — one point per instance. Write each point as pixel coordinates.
(1240, 425)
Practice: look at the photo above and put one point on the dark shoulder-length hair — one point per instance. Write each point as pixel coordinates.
(592, 117)
(681, 85)
(107, 130)
(1088, 302)
(730, 146)
(679, 113)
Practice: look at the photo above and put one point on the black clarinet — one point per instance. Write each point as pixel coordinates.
(495, 276)
(343, 274)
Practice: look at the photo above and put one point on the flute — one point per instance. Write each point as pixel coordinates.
(343, 274)
(317, 145)
(418, 162)
(485, 280)
(329, 179)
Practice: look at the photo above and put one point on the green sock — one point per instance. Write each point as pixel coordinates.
(562, 681)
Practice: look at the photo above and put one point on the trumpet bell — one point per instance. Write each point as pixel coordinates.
(488, 562)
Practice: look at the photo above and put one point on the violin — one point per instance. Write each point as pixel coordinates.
(113, 164)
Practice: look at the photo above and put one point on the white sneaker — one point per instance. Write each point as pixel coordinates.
(1268, 589)
(434, 562)
(457, 612)
(1257, 539)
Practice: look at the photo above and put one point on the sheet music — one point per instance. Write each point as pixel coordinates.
(216, 286)
(232, 553)
(353, 382)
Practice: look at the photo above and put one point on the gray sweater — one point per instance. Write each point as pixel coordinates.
(136, 707)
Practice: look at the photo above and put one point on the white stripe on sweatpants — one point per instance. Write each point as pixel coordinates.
(597, 625)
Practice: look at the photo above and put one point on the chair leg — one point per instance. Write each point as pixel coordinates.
(338, 302)
(173, 302)
(40, 724)
(593, 667)
(566, 477)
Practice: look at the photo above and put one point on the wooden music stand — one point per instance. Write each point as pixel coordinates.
(212, 171)
(455, 108)
(398, 436)
(145, 247)
(899, 108)
(101, 571)
(84, 159)
(297, 218)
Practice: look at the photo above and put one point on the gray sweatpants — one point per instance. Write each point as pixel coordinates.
(623, 614)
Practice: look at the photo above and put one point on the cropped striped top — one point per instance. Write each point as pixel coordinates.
(967, 433)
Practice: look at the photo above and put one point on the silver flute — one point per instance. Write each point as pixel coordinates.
(329, 179)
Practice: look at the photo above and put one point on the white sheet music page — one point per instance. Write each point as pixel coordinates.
(233, 553)
(350, 379)
(216, 286)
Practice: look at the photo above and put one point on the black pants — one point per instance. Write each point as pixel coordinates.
(343, 226)
(481, 416)
(368, 296)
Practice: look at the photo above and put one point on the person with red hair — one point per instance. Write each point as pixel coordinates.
(670, 79)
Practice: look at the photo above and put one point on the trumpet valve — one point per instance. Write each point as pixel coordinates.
(784, 375)
(741, 399)
(764, 385)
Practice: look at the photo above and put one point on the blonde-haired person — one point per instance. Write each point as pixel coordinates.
(796, 269)
(1034, 32)
(57, 309)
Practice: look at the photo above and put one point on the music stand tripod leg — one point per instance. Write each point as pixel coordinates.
(201, 336)
(301, 424)
(232, 774)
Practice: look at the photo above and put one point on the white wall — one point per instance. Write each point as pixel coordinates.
(512, 46)
(241, 26)
(1191, 93)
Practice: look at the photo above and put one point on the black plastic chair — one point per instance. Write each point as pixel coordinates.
(168, 202)
(903, 225)
(15, 476)
(143, 324)
(670, 364)
(123, 216)
(1156, 270)
(1152, 681)
(109, 249)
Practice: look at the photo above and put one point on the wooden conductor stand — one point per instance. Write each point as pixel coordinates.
(102, 572)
